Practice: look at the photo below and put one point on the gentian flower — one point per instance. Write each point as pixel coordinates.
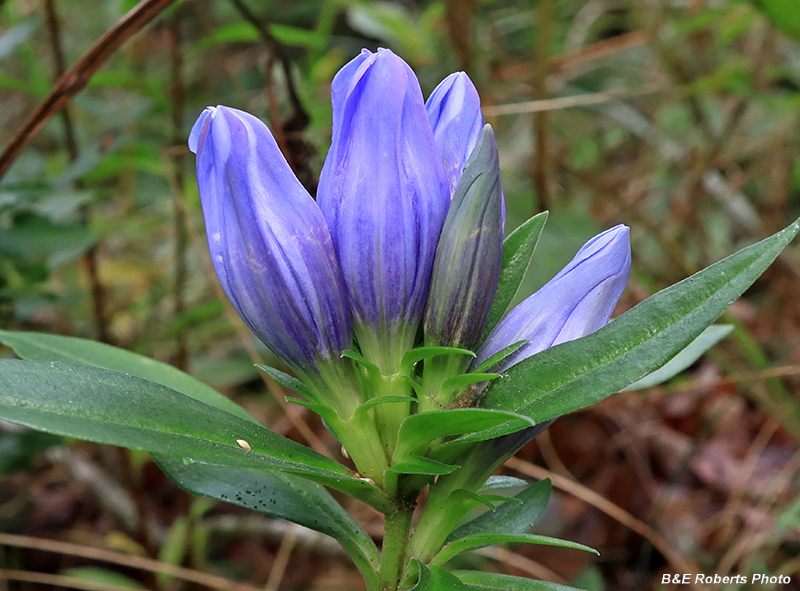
(575, 303)
(466, 270)
(454, 112)
(384, 193)
(269, 242)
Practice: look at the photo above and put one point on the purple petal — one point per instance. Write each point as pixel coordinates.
(454, 111)
(575, 303)
(269, 242)
(384, 193)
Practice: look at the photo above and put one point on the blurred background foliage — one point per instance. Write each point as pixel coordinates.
(676, 117)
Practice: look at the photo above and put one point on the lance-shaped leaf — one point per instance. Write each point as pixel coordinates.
(383, 192)
(475, 541)
(108, 407)
(510, 518)
(480, 581)
(454, 111)
(577, 374)
(279, 495)
(37, 346)
(436, 579)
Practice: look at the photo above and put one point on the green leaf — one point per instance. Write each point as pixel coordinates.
(414, 356)
(518, 248)
(173, 550)
(683, 360)
(499, 356)
(18, 448)
(279, 495)
(287, 381)
(389, 399)
(783, 14)
(37, 346)
(476, 541)
(420, 465)
(480, 581)
(498, 482)
(108, 407)
(469, 500)
(326, 412)
(417, 431)
(436, 579)
(579, 373)
(510, 518)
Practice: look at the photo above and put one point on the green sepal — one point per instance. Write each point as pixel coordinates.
(511, 518)
(457, 383)
(518, 248)
(373, 370)
(436, 579)
(365, 406)
(499, 356)
(326, 412)
(414, 356)
(421, 465)
(287, 381)
(476, 541)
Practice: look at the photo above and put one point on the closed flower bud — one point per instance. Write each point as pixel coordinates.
(454, 111)
(269, 242)
(383, 191)
(470, 253)
(575, 303)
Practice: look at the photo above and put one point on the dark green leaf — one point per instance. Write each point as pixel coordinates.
(108, 407)
(279, 495)
(37, 346)
(476, 541)
(579, 373)
(480, 581)
(436, 579)
(414, 356)
(518, 248)
(707, 339)
(510, 518)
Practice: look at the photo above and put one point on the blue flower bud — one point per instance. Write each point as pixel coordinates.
(269, 242)
(454, 111)
(466, 269)
(383, 191)
(575, 303)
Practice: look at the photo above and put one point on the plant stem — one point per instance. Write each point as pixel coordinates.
(395, 546)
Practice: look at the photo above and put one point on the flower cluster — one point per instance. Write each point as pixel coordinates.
(406, 234)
